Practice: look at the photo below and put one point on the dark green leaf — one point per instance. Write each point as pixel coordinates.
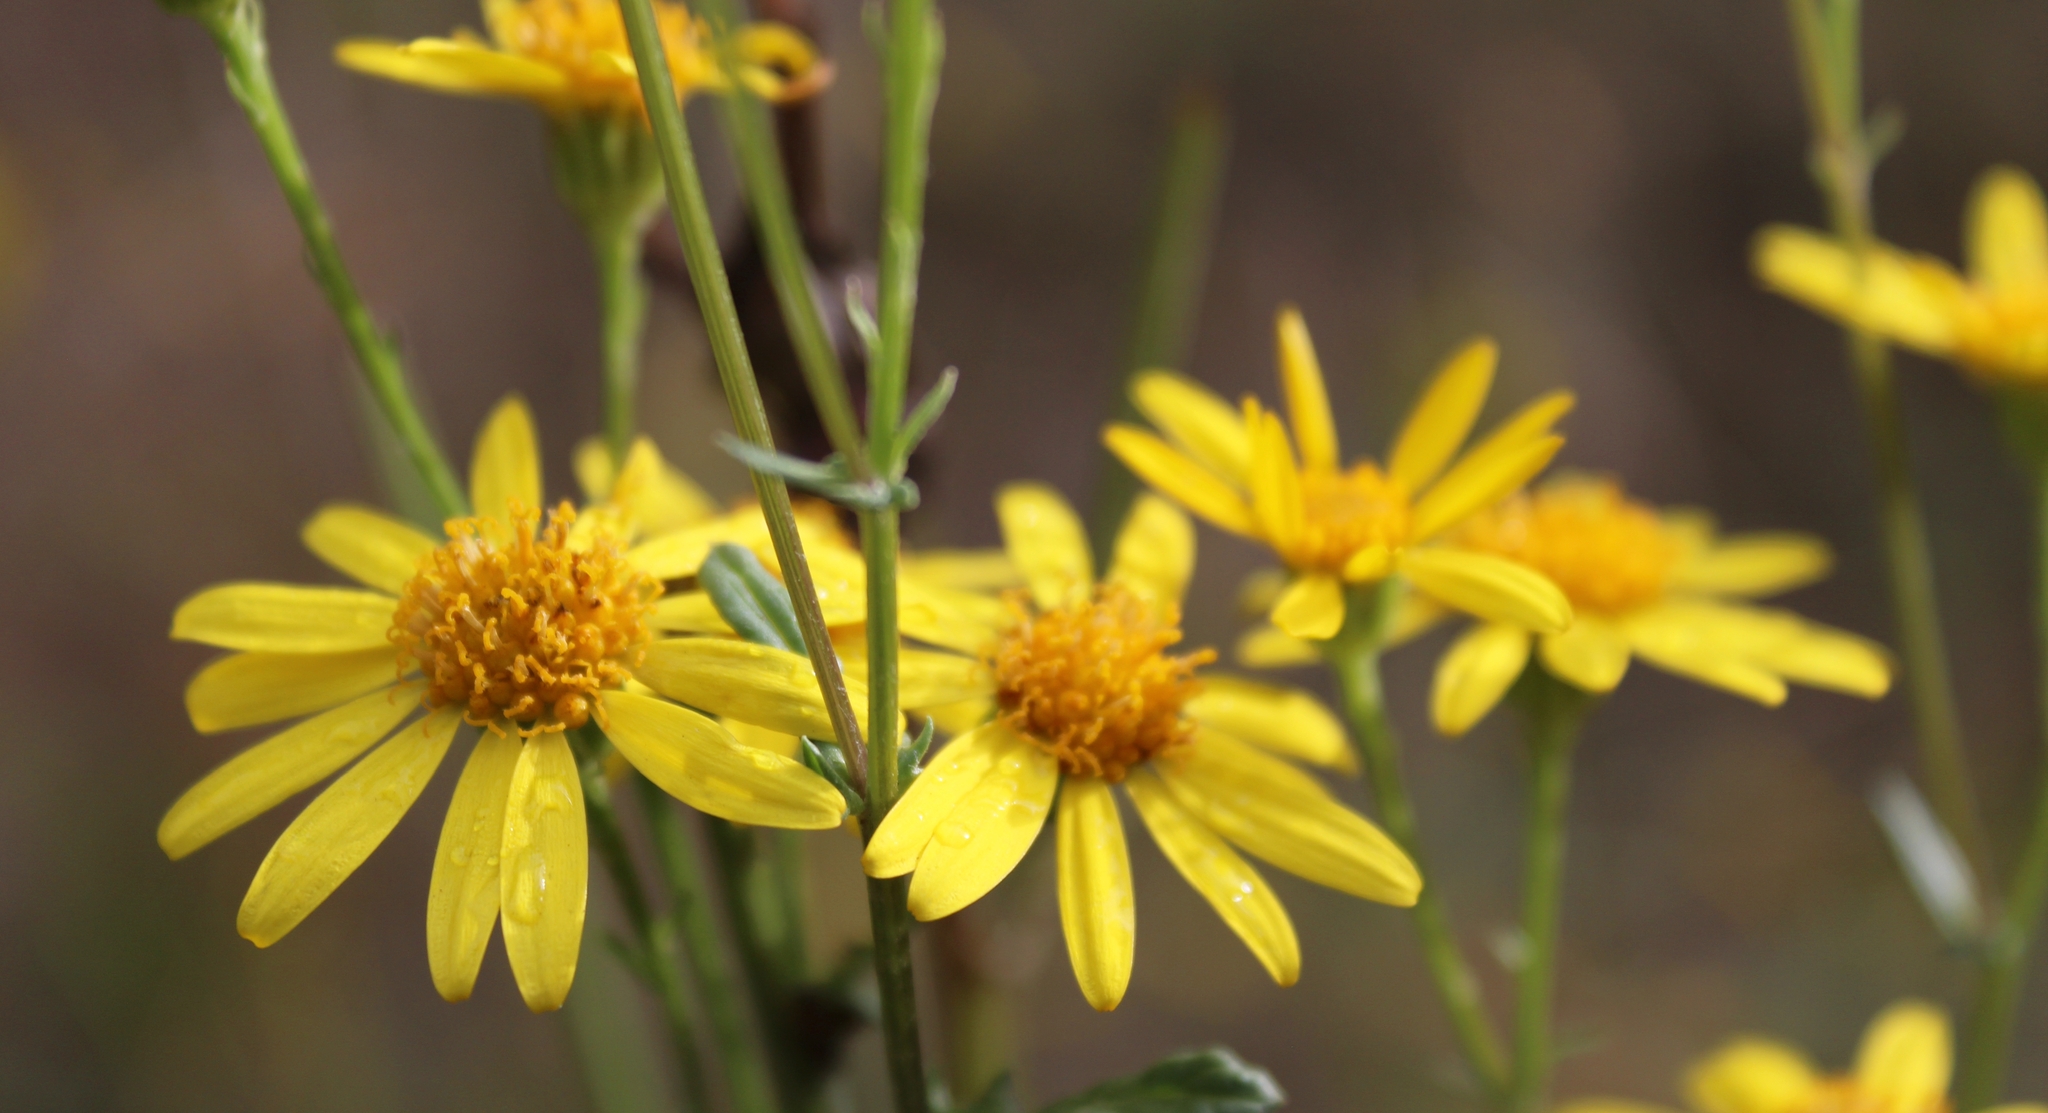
(909, 758)
(828, 480)
(1212, 1081)
(827, 760)
(750, 599)
(926, 412)
(802, 473)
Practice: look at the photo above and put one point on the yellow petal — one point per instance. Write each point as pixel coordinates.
(2007, 237)
(1753, 564)
(1477, 671)
(756, 684)
(370, 545)
(505, 467)
(1308, 403)
(1671, 638)
(277, 768)
(963, 717)
(1592, 655)
(1197, 422)
(1269, 647)
(1527, 425)
(1284, 720)
(962, 569)
(679, 553)
(1903, 297)
(699, 762)
(462, 898)
(1097, 909)
(687, 612)
(592, 463)
(1904, 1062)
(1278, 813)
(761, 738)
(1443, 418)
(1479, 481)
(1821, 657)
(1312, 607)
(1276, 482)
(1488, 587)
(544, 872)
(449, 66)
(1750, 1075)
(244, 689)
(1046, 542)
(1368, 564)
(1229, 883)
(1180, 478)
(926, 679)
(340, 828)
(949, 775)
(1155, 552)
(950, 619)
(986, 834)
(285, 618)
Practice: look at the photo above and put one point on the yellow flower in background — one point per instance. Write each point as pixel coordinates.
(1333, 525)
(1993, 321)
(571, 56)
(521, 628)
(1085, 696)
(1661, 587)
(1903, 1066)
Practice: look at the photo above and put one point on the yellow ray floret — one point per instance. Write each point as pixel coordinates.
(1085, 695)
(1335, 526)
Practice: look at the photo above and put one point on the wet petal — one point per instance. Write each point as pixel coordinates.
(1904, 1062)
(1312, 607)
(1488, 587)
(544, 870)
(949, 775)
(1592, 656)
(1443, 418)
(1180, 478)
(1751, 1075)
(986, 834)
(1155, 552)
(1046, 542)
(285, 618)
(1097, 909)
(1229, 883)
(245, 689)
(1198, 422)
(340, 828)
(462, 898)
(1286, 721)
(1475, 673)
(1308, 402)
(370, 545)
(699, 762)
(2007, 237)
(756, 684)
(1753, 564)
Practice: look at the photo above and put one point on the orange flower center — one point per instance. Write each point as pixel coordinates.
(1607, 552)
(584, 38)
(1344, 512)
(1092, 685)
(525, 632)
(2004, 333)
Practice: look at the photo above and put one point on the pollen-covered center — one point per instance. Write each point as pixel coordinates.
(1346, 511)
(1605, 551)
(1092, 683)
(587, 37)
(525, 630)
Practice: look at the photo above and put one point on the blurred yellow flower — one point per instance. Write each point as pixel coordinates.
(571, 56)
(1903, 1066)
(1085, 696)
(1661, 587)
(1331, 525)
(522, 629)
(1992, 322)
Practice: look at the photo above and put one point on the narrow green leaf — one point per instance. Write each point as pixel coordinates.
(910, 759)
(1212, 1081)
(827, 760)
(924, 414)
(750, 599)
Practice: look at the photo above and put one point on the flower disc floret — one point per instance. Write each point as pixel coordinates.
(1606, 551)
(1091, 683)
(526, 632)
(585, 38)
(1344, 512)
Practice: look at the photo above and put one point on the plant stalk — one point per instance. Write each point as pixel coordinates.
(1553, 711)
(237, 29)
(1354, 655)
(622, 303)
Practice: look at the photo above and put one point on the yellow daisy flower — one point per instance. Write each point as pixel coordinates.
(1903, 1066)
(1332, 525)
(1086, 697)
(571, 56)
(1661, 587)
(523, 629)
(1992, 322)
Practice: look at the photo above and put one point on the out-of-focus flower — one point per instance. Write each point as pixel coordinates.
(1334, 526)
(571, 56)
(1084, 697)
(1903, 1066)
(1661, 587)
(1993, 322)
(523, 629)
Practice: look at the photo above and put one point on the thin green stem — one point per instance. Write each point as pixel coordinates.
(739, 1045)
(692, 218)
(910, 88)
(1354, 655)
(622, 303)
(1553, 711)
(237, 29)
(653, 940)
(1825, 33)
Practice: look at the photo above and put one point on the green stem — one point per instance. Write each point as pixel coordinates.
(1354, 655)
(653, 939)
(1826, 33)
(739, 1045)
(237, 29)
(692, 218)
(1553, 712)
(764, 902)
(622, 301)
(910, 87)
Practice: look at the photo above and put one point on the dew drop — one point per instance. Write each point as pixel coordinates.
(954, 834)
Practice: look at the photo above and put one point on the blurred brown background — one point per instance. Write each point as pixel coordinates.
(1579, 178)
